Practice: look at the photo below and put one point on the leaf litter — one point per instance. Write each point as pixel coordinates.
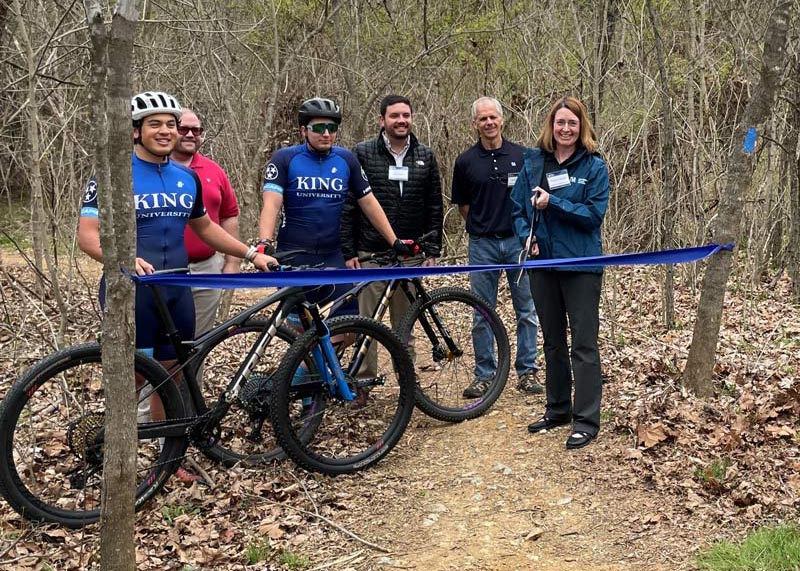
(669, 473)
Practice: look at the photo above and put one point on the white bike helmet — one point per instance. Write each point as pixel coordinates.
(152, 102)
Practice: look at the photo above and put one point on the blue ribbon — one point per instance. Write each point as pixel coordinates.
(338, 276)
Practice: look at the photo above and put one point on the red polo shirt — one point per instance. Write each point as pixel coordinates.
(218, 198)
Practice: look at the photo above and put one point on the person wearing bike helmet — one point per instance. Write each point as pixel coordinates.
(310, 182)
(167, 198)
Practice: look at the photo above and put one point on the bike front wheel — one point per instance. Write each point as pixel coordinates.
(438, 332)
(350, 435)
(51, 437)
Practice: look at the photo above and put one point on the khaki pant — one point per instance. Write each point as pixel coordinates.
(206, 300)
(368, 300)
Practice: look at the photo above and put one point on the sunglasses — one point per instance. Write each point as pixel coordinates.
(320, 128)
(196, 131)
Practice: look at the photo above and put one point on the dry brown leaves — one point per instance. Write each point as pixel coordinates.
(732, 459)
(735, 455)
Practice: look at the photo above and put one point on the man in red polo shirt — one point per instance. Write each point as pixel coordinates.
(220, 203)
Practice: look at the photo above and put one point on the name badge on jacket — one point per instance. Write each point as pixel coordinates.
(512, 179)
(558, 179)
(398, 173)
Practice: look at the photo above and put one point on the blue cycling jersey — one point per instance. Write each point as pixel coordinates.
(167, 195)
(314, 187)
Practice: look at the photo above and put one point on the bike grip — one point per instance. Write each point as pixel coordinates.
(413, 245)
(427, 236)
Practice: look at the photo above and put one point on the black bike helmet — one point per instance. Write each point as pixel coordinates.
(318, 107)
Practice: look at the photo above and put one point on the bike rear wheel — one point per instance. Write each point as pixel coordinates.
(440, 332)
(246, 434)
(352, 435)
(51, 441)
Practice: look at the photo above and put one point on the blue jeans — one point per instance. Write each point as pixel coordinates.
(487, 250)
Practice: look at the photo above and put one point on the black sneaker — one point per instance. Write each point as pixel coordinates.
(476, 390)
(544, 424)
(529, 383)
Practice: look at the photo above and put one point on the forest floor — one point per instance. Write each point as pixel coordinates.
(668, 474)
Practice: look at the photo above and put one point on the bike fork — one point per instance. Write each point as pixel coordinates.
(452, 350)
(325, 354)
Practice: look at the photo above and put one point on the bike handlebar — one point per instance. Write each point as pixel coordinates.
(391, 257)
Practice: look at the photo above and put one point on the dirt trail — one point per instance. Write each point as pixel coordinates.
(486, 495)
(481, 495)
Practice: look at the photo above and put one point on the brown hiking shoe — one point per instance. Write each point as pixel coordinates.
(476, 390)
(362, 396)
(529, 383)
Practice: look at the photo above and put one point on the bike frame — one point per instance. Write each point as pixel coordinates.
(288, 300)
(413, 289)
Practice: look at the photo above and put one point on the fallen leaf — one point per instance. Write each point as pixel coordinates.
(534, 534)
(650, 435)
(633, 454)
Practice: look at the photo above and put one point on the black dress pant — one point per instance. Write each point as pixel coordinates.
(562, 298)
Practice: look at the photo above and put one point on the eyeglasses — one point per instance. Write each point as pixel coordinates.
(196, 131)
(320, 128)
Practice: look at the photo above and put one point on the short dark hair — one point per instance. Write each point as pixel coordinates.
(393, 100)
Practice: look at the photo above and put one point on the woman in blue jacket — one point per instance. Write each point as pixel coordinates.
(560, 199)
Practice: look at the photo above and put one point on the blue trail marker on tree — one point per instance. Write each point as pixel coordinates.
(750, 140)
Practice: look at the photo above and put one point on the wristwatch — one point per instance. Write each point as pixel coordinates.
(266, 246)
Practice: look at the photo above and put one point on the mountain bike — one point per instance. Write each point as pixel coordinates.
(52, 419)
(437, 329)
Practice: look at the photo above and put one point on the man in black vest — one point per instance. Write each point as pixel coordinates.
(483, 177)
(404, 177)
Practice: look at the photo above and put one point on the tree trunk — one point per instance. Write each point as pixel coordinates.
(3, 18)
(38, 226)
(609, 15)
(111, 90)
(40, 220)
(700, 364)
(695, 101)
(793, 176)
(668, 187)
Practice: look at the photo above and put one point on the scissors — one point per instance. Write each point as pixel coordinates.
(523, 255)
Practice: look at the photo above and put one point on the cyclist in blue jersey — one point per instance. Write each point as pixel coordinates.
(167, 197)
(311, 181)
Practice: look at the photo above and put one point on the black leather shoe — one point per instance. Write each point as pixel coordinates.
(579, 439)
(545, 423)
